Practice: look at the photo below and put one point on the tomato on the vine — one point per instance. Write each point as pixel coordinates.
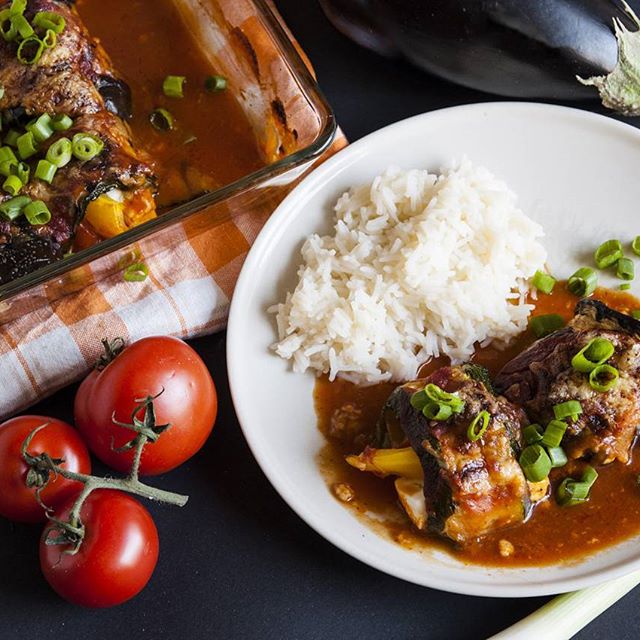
(185, 397)
(58, 439)
(116, 557)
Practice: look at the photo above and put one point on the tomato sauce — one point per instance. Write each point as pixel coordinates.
(551, 534)
(212, 143)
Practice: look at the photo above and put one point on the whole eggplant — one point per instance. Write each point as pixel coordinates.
(517, 48)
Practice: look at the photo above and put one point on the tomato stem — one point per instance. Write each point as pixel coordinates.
(112, 349)
(42, 466)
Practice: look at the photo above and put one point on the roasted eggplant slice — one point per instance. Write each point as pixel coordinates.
(89, 198)
(542, 376)
(470, 487)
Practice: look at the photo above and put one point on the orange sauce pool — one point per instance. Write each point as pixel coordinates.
(551, 534)
(212, 143)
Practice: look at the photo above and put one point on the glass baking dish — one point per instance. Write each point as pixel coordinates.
(293, 124)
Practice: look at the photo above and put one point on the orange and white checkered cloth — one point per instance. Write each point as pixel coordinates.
(58, 343)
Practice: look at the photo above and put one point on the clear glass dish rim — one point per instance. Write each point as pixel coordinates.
(304, 78)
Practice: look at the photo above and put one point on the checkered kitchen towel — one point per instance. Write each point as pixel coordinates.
(187, 293)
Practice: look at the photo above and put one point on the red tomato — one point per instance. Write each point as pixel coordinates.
(59, 440)
(116, 558)
(145, 368)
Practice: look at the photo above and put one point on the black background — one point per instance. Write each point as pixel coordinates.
(236, 562)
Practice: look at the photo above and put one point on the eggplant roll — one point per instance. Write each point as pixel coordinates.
(542, 376)
(88, 199)
(470, 488)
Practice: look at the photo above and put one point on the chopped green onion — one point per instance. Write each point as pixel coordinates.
(543, 282)
(37, 213)
(45, 170)
(85, 146)
(215, 83)
(544, 325)
(49, 20)
(475, 432)
(59, 153)
(6, 154)
(557, 456)
(12, 208)
(7, 27)
(636, 314)
(596, 351)
(435, 411)
(583, 282)
(172, 86)
(30, 50)
(569, 409)
(535, 463)
(6, 168)
(440, 396)
(608, 253)
(11, 138)
(418, 400)
(532, 433)
(572, 492)
(50, 39)
(136, 272)
(26, 145)
(554, 433)
(12, 185)
(61, 122)
(625, 269)
(41, 128)
(603, 377)
(161, 120)
(589, 475)
(22, 26)
(635, 245)
(22, 171)
(17, 7)
(625, 286)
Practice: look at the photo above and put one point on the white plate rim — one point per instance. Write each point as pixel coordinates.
(272, 227)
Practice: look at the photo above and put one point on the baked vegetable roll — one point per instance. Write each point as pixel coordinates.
(70, 172)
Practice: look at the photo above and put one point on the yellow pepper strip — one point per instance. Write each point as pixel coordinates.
(109, 217)
(389, 462)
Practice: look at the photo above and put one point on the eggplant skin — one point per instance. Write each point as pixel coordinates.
(470, 488)
(516, 48)
(542, 376)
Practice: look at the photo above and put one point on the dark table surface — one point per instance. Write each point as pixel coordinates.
(237, 562)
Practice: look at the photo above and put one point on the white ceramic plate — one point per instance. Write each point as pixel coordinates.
(577, 173)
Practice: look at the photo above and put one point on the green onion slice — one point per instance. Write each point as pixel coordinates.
(6, 154)
(554, 433)
(635, 245)
(12, 185)
(478, 426)
(45, 171)
(18, 7)
(625, 286)
(30, 50)
(37, 213)
(543, 282)
(11, 138)
(61, 122)
(6, 168)
(59, 153)
(608, 253)
(173, 86)
(604, 377)
(41, 128)
(535, 463)
(26, 145)
(545, 324)
(21, 169)
(625, 269)
(440, 396)
(636, 314)
(215, 83)
(85, 146)
(435, 411)
(594, 353)
(7, 27)
(46, 20)
(136, 272)
(557, 456)
(570, 409)
(532, 433)
(572, 492)
(24, 29)
(161, 120)
(12, 208)
(50, 39)
(419, 399)
(583, 282)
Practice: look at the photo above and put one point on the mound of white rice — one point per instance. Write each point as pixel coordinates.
(419, 265)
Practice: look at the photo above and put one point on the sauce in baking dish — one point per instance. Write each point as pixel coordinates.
(551, 534)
